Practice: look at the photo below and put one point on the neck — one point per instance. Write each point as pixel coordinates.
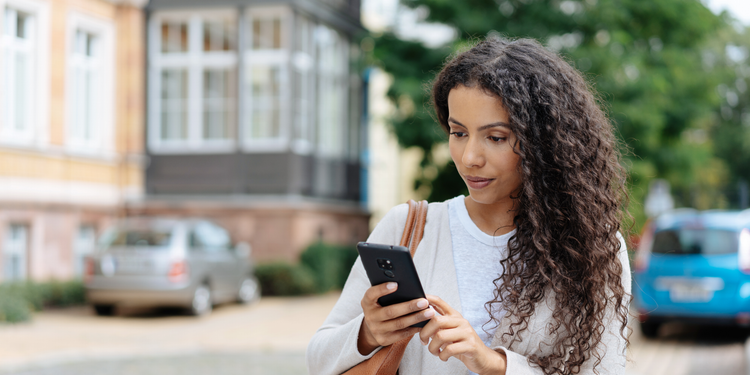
(494, 219)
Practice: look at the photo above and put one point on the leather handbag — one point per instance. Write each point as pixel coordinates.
(387, 360)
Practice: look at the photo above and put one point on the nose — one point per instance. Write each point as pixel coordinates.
(473, 155)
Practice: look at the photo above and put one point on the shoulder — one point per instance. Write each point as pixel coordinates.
(391, 226)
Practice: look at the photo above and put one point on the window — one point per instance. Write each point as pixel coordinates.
(209, 237)
(18, 63)
(267, 79)
(90, 86)
(333, 85)
(86, 88)
(303, 136)
(696, 241)
(15, 252)
(194, 82)
(83, 246)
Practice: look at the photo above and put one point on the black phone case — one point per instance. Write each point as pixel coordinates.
(385, 263)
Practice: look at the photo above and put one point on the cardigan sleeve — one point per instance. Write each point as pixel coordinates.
(612, 345)
(333, 348)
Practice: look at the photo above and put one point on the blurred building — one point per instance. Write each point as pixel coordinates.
(254, 120)
(71, 128)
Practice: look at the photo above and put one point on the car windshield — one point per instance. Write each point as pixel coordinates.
(695, 241)
(136, 237)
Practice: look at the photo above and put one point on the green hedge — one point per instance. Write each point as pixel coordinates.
(322, 267)
(330, 264)
(284, 279)
(19, 299)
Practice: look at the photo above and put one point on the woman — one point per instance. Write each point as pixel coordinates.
(528, 274)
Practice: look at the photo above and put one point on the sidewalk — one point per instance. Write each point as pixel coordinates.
(274, 325)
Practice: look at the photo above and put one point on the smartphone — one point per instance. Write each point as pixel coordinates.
(385, 263)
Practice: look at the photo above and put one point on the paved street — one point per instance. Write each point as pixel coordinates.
(266, 338)
(270, 338)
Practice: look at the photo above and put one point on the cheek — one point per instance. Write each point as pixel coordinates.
(456, 151)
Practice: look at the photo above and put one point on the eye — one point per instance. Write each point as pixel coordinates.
(497, 139)
(458, 134)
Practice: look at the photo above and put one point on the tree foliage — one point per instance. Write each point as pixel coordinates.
(655, 64)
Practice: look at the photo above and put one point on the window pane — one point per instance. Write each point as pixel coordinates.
(218, 103)
(6, 87)
(267, 33)
(265, 90)
(219, 35)
(89, 48)
(79, 46)
(695, 241)
(90, 105)
(174, 104)
(276, 33)
(21, 22)
(20, 92)
(8, 21)
(174, 37)
(16, 247)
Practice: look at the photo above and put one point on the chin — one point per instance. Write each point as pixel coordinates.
(481, 199)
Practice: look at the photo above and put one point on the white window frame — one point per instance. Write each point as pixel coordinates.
(279, 58)
(195, 61)
(102, 140)
(37, 134)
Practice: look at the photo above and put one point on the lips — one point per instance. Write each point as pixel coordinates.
(477, 182)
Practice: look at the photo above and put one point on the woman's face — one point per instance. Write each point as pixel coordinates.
(481, 145)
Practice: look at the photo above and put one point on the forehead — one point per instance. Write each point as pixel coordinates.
(472, 105)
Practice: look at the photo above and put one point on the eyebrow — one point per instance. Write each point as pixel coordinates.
(483, 127)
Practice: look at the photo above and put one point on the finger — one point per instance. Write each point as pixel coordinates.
(443, 338)
(442, 307)
(439, 323)
(454, 349)
(408, 320)
(374, 292)
(400, 309)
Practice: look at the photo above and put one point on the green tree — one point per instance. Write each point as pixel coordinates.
(648, 61)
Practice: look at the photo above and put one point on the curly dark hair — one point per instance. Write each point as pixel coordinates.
(570, 205)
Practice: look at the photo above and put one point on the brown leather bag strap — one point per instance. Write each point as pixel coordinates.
(409, 226)
(418, 230)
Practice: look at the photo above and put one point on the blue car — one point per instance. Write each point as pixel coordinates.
(693, 266)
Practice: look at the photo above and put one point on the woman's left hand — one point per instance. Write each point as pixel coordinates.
(450, 335)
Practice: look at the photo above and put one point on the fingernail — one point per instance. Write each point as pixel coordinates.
(422, 304)
(429, 313)
(424, 342)
(391, 286)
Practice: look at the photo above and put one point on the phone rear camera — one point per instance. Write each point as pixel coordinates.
(385, 264)
(390, 273)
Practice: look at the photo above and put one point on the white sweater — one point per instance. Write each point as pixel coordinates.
(333, 348)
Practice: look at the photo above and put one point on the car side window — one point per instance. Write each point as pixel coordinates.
(209, 237)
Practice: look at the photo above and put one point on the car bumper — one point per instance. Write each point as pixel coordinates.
(155, 292)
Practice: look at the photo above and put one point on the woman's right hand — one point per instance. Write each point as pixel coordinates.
(384, 326)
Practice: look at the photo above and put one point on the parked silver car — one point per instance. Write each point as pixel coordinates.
(169, 262)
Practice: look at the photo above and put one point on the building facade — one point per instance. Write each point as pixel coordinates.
(254, 119)
(72, 82)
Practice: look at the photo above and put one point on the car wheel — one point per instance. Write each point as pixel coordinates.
(650, 329)
(104, 310)
(249, 290)
(202, 303)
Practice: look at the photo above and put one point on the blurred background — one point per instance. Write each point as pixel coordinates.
(296, 125)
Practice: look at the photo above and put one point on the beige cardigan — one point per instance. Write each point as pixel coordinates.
(333, 348)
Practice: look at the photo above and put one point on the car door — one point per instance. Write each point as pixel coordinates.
(214, 243)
